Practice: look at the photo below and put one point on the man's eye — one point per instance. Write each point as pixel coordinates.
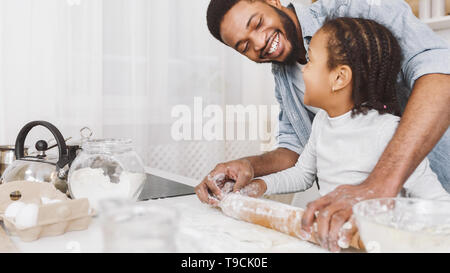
(246, 48)
(260, 23)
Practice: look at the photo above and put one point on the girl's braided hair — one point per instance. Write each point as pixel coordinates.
(373, 54)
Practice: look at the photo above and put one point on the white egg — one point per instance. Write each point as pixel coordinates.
(27, 217)
(13, 208)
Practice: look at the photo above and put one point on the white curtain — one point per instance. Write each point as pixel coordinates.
(50, 65)
(118, 67)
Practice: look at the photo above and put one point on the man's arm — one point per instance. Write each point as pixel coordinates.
(425, 70)
(272, 162)
(424, 122)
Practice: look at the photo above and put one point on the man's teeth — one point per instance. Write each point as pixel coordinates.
(275, 44)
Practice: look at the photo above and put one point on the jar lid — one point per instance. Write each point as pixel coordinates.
(7, 147)
(108, 145)
(10, 147)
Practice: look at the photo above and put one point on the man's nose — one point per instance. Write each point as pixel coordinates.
(259, 41)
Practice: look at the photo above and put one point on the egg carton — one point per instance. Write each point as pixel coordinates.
(53, 219)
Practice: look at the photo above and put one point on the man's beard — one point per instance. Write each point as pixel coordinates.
(291, 36)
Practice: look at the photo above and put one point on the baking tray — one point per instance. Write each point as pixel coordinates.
(157, 187)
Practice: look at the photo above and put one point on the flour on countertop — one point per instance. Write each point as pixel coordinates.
(206, 229)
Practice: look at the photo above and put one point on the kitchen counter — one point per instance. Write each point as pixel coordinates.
(218, 232)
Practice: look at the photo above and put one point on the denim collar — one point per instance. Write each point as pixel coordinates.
(309, 26)
(307, 23)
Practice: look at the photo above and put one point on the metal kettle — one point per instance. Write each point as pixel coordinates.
(41, 167)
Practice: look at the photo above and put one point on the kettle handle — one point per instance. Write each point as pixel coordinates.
(63, 158)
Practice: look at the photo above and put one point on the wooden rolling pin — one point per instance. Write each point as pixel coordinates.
(270, 214)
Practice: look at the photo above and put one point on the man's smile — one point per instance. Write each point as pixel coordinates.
(274, 47)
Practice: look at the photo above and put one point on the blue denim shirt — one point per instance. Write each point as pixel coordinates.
(424, 53)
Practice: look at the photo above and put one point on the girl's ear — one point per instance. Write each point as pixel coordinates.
(341, 77)
(275, 3)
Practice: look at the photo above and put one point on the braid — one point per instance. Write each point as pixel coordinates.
(349, 59)
(395, 65)
(361, 46)
(372, 64)
(383, 73)
(373, 54)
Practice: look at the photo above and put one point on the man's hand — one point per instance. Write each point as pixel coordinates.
(333, 210)
(210, 189)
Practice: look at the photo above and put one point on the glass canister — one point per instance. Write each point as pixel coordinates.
(106, 168)
(144, 227)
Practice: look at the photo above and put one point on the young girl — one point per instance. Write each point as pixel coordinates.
(351, 75)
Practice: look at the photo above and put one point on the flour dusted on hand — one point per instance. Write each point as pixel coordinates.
(95, 185)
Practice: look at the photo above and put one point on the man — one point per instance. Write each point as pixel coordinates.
(266, 31)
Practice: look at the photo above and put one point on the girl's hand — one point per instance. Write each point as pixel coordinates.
(256, 188)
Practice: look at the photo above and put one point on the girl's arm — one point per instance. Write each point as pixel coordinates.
(298, 178)
(302, 176)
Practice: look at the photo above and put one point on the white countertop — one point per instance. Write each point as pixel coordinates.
(218, 232)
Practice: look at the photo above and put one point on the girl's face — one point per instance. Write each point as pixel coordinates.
(316, 74)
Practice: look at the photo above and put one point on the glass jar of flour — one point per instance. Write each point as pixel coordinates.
(106, 168)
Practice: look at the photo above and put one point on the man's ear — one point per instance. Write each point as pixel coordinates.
(341, 77)
(275, 3)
